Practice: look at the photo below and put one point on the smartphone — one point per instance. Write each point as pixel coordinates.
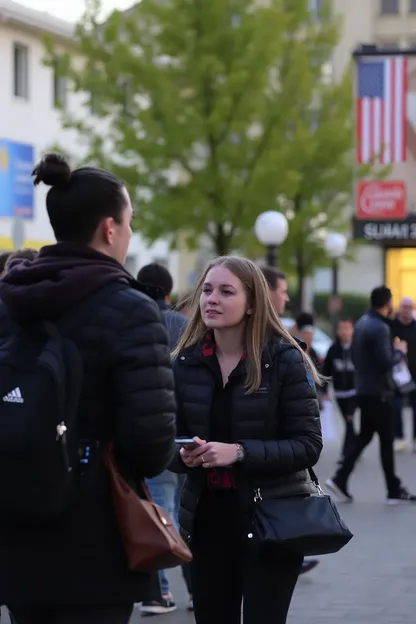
(187, 443)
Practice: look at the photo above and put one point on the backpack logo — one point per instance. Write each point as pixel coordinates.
(15, 396)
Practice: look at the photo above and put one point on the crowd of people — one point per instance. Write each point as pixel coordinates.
(223, 372)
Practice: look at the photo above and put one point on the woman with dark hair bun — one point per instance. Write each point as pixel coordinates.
(74, 570)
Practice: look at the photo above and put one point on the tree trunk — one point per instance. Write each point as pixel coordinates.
(221, 240)
(301, 275)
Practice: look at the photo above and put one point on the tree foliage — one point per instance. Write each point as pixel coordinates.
(213, 111)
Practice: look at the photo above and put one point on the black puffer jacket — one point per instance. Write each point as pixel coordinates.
(373, 355)
(278, 426)
(127, 396)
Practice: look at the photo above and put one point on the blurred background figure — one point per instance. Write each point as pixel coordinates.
(4, 256)
(404, 328)
(166, 488)
(339, 367)
(374, 360)
(25, 253)
(304, 329)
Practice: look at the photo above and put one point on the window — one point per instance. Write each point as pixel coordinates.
(389, 7)
(316, 7)
(412, 6)
(21, 70)
(59, 86)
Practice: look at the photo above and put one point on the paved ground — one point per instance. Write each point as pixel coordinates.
(373, 580)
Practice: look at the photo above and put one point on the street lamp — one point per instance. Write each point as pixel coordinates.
(336, 246)
(271, 229)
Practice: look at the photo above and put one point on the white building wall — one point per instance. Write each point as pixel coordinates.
(35, 121)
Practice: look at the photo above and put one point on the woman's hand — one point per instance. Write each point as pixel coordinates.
(189, 458)
(213, 455)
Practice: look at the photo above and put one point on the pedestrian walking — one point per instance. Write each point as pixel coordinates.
(164, 488)
(92, 348)
(374, 359)
(246, 394)
(338, 365)
(403, 328)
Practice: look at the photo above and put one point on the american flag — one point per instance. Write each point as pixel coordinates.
(381, 110)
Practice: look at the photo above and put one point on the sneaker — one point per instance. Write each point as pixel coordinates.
(340, 490)
(403, 496)
(190, 606)
(400, 445)
(308, 565)
(158, 607)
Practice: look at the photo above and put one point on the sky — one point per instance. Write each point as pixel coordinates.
(71, 9)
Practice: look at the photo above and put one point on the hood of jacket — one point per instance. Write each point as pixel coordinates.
(60, 277)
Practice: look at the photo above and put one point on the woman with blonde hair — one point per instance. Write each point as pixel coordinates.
(246, 395)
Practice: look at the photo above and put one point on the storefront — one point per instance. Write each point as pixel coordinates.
(385, 201)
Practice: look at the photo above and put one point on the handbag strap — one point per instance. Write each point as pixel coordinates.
(314, 478)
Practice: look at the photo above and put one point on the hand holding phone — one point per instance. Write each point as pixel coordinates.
(189, 444)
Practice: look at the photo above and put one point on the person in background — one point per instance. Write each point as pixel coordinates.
(166, 487)
(277, 283)
(374, 359)
(403, 327)
(4, 256)
(304, 329)
(25, 253)
(246, 393)
(339, 366)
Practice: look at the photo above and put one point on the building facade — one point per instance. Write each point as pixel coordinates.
(388, 24)
(30, 124)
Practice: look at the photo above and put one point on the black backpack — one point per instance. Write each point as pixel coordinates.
(41, 377)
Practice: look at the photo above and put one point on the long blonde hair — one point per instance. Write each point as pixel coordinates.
(262, 323)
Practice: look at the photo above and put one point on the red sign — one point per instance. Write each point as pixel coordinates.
(381, 200)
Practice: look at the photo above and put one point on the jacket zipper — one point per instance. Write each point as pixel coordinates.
(61, 438)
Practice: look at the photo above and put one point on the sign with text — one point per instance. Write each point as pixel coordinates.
(16, 185)
(385, 230)
(385, 113)
(381, 200)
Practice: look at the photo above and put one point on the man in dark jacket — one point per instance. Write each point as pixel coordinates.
(403, 328)
(159, 285)
(374, 359)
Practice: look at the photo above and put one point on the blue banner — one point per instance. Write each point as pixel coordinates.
(16, 185)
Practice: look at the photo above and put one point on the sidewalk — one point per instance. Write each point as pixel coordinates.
(373, 580)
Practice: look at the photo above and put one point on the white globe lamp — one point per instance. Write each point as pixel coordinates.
(271, 229)
(336, 245)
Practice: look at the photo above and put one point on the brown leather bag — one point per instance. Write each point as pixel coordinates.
(150, 539)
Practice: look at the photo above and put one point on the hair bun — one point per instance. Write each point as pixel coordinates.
(52, 170)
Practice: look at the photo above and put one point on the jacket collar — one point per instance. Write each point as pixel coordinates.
(195, 354)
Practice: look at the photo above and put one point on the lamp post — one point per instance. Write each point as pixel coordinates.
(271, 229)
(336, 246)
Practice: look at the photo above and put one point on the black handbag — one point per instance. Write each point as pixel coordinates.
(307, 525)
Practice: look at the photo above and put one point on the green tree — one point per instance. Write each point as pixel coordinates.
(211, 110)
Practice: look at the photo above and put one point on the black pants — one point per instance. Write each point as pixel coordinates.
(225, 571)
(347, 408)
(376, 417)
(109, 614)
